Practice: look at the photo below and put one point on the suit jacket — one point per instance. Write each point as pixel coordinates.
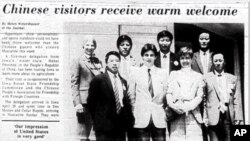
(102, 105)
(197, 65)
(186, 88)
(144, 106)
(82, 72)
(213, 98)
(174, 62)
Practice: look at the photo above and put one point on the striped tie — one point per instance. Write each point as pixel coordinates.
(150, 84)
(117, 99)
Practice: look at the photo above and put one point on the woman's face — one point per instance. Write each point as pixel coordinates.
(124, 48)
(89, 47)
(185, 61)
(149, 58)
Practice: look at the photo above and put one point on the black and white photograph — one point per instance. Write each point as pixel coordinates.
(130, 70)
(160, 82)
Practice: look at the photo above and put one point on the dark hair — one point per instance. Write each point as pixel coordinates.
(148, 47)
(185, 50)
(217, 52)
(123, 38)
(115, 53)
(204, 31)
(164, 33)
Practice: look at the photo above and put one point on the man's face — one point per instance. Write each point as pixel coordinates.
(165, 43)
(124, 48)
(89, 47)
(149, 58)
(218, 62)
(113, 63)
(204, 40)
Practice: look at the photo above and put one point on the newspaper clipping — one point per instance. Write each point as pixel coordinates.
(131, 70)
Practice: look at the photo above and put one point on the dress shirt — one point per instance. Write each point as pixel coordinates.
(119, 85)
(125, 64)
(204, 60)
(222, 85)
(165, 61)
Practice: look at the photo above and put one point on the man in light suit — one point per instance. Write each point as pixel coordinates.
(83, 70)
(149, 90)
(201, 61)
(166, 59)
(109, 103)
(223, 103)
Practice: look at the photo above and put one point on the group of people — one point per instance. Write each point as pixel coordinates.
(185, 96)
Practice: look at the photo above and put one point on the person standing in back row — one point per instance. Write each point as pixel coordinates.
(202, 62)
(166, 59)
(124, 45)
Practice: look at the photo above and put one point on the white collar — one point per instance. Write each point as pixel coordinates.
(112, 74)
(126, 58)
(151, 68)
(217, 73)
(202, 52)
(162, 54)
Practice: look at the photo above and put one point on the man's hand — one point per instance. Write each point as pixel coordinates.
(79, 108)
(223, 108)
(238, 122)
(205, 121)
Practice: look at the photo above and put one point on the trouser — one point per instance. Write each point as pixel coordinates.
(85, 125)
(144, 134)
(114, 135)
(221, 131)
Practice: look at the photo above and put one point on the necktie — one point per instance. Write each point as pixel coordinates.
(117, 100)
(150, 84)
(164, 56)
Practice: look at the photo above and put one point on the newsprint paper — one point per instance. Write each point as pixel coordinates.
(40, 40)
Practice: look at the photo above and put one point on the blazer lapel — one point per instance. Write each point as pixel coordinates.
(90, 67)
(210, 62)
(87, 64)
(124, 85)
(229, 84)
(215, 85)
(108, 81)
(158, 60)
(198, 61)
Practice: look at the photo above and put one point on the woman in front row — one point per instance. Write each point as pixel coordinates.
(184, 94)
(148, 86)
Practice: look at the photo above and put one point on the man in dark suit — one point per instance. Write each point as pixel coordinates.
(166, 59)
(223, 103)
(201, 61)
(109, 103)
